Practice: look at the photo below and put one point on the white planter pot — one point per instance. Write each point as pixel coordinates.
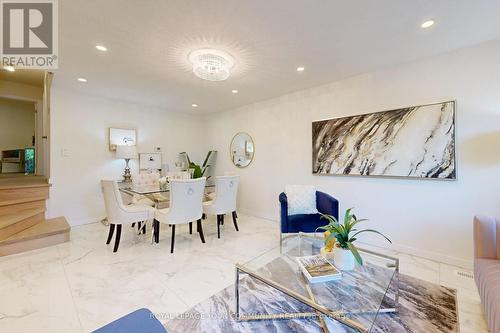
(343, 259)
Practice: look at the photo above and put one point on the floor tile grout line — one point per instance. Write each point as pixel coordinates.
(174, 292)
(70, 290)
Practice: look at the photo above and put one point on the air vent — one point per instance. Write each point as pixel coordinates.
(465, 274)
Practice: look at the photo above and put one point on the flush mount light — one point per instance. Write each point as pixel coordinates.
(81, 79)
(211, 64)
(9, 68)
(234, 91)
(427, 24)
(101, 48)
(300, 69)
(194, 105)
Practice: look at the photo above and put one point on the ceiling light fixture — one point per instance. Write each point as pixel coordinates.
(101, 48)
(427, 24)
(9, 68)
(194, 105)
(211, 65)
(81, 79)
(300, 69)
(234, 91)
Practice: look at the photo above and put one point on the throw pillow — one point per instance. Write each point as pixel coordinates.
(301, 199)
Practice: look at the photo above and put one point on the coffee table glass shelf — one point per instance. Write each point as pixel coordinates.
(355, 300)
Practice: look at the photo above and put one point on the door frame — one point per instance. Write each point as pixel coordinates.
(42, 122)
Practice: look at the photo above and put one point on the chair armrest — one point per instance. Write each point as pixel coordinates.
(485, 237)
(283, 212)
(326, 204)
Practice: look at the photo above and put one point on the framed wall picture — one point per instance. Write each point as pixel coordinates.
(150, 161)
(410, 142)
(121, 137)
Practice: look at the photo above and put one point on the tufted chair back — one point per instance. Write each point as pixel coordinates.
(186, 200)
(145, 179)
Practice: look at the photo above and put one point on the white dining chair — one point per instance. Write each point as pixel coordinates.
(226, 191)
(211, 196)
(146, 179)
(174, 175)
(143, 179)
(118, 213)
(186, 206)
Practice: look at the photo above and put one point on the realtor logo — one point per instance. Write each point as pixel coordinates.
(29, 33)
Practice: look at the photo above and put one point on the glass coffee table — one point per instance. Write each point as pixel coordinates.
(355, 300)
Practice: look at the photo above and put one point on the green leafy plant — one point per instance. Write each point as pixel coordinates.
(345, 233)
(199, 171)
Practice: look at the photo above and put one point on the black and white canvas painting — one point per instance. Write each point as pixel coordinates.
(417, 141)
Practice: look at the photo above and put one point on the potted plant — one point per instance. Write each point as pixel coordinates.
(197, 170)
(345, 253)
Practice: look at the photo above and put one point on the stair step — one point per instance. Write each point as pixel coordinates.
(23, 181)
(11, 196)
(46, 233)
(48, 227)
(16, 224)
(14, 213)
(20, 207)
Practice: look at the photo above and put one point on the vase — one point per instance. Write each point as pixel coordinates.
(343, 259)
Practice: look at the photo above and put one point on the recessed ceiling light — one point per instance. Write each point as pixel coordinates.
(81, 79)
(428, 24)
(300, 69)
(101, 48)
(194, 105)
(234, 91)
(9, 68)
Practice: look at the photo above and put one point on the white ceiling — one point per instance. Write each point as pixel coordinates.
(148, 42)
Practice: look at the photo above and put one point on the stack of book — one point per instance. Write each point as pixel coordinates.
(317, 269)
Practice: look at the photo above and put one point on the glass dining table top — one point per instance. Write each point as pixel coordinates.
(130, 188)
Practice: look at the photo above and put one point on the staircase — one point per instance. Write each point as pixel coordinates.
(23, 226)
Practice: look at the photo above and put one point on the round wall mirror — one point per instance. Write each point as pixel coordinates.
(242, 150)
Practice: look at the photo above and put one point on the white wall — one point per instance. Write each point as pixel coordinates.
(429, 218)
(17, 124)
(80, 125)
(20, 91)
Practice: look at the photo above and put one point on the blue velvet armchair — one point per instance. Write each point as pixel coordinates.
(325, 204)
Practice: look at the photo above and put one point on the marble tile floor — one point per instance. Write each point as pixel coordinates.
(82, 285)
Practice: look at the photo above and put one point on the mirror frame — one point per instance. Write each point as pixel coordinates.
(230, 152)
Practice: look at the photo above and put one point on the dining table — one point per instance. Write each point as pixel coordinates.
(158, 193)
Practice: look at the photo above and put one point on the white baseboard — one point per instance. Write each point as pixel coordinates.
(83, 221)
(435, 256)
(252, 213)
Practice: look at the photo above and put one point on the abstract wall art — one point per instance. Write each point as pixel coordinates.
(414, 142)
